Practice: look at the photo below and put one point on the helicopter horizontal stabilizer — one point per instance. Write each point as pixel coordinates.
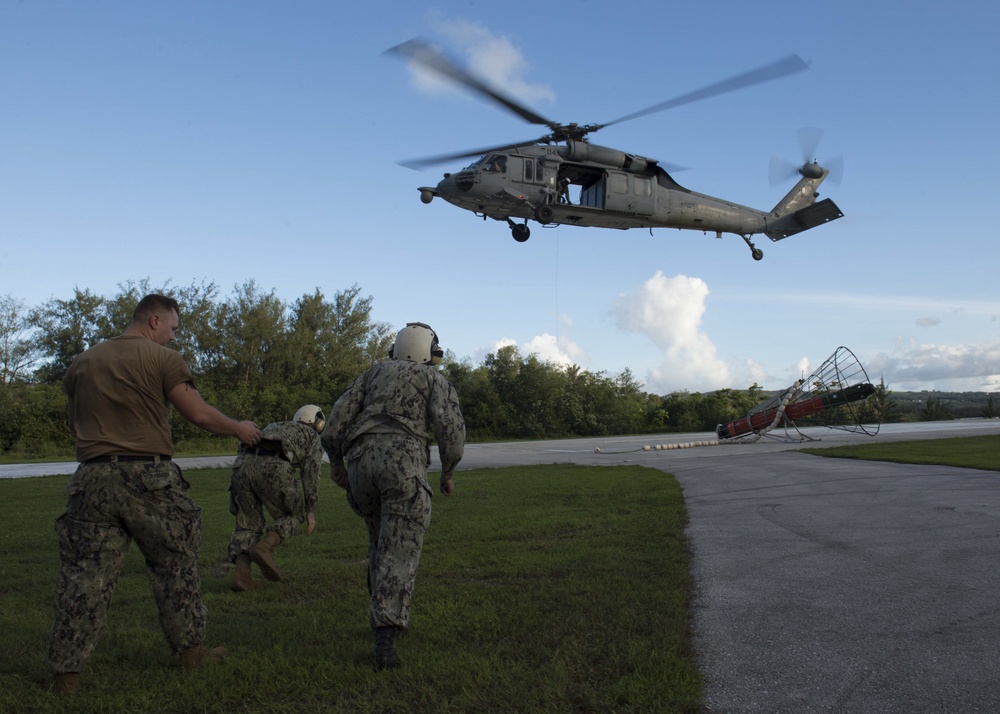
(803, 219)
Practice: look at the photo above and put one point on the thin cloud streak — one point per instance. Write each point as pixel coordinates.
(910, 303)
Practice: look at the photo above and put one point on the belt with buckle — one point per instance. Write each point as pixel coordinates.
(111, 458)
(261, 451)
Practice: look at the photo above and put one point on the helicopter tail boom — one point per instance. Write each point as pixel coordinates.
(798, 211)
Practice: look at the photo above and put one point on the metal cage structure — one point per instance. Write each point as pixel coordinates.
(837, 395)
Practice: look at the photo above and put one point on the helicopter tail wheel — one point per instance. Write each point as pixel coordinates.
(544, 214)
(520, 231)
(756, 252)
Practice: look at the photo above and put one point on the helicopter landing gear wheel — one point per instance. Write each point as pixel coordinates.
(520, 231)
(756, 252)
(544, 214)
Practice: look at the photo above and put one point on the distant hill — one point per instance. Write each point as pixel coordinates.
(961, 405)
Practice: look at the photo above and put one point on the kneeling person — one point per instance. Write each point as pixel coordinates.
(264, 476)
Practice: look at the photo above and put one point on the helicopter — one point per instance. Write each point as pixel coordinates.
(562, 178)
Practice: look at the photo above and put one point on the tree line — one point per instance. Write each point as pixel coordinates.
(254, 356)
(258, 357)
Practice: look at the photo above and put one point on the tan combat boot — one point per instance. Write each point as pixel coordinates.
(65, 684)
(199, 657)
(261, 555)
(243, 578)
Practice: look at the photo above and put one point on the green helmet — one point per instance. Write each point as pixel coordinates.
(418, 343)
(312, 415)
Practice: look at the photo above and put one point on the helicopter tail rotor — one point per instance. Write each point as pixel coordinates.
(781, 170)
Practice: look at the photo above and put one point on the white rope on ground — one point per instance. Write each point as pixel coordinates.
(755, 437)
(664, 447)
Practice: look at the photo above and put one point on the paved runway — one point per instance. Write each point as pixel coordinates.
(821, 585)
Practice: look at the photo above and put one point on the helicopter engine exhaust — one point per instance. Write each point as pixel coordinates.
(586, 152)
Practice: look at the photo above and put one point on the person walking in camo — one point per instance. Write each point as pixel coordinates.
(382, 427)
(128, 488)
(264, 477)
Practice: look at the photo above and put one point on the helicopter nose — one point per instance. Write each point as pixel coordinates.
(446, 186)
(463, 180)
(454, 185)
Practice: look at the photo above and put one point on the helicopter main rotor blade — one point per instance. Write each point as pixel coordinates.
(431, 160)
(789, 65)
(427, 56)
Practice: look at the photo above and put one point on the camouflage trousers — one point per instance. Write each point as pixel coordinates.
(387, 487)
(260, 482)
(108, 505)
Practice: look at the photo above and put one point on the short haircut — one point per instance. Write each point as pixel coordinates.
(153, 304)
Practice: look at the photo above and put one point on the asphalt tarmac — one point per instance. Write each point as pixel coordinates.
(821, 585)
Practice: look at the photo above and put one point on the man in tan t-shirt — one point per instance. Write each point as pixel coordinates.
(127, 487)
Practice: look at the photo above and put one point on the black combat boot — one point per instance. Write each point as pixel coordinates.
(385, 655)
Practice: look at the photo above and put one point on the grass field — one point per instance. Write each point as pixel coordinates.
(542, 589)
(975, 452)
(556, 588)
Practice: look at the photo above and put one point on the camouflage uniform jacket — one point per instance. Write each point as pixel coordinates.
(301, 447)
(399, 397)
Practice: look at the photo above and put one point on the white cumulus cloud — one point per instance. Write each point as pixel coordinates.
(558, 350)
(502, 342)
(913, 366)
(669, 312)
(490, 57)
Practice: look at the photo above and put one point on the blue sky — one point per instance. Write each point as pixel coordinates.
(225, 141)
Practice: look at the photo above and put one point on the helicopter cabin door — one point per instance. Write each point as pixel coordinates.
(629, 193)
(528, 170)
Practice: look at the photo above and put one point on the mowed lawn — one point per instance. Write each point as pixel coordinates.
(974, 452)
(552, 588)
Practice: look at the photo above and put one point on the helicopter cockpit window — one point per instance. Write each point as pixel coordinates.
(496, 164)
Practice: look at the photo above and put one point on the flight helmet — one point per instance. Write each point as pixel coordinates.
(312, 415)
(418, 343)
